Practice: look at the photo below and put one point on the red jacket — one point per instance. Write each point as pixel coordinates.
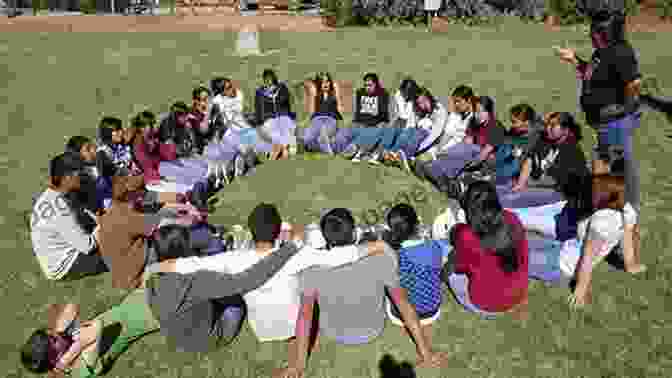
(491, 288)
(149, 161)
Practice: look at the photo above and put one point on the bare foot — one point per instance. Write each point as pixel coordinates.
(636, 269)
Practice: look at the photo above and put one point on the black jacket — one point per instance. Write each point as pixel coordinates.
(267, 107)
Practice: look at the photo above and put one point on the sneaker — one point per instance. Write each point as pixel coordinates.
(238, 166)
(326, 140)
(351, 152)
(403, 160)
(374, 158)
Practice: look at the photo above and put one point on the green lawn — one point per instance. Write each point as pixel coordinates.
(58, 86)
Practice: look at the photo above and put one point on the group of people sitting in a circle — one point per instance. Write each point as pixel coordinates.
(521, 203)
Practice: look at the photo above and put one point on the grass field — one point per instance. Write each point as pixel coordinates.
(59, 85)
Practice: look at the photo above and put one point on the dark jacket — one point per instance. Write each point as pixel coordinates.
(569, 157)
(184, 138)
(267, 107)
(185, 304)
(372, 110)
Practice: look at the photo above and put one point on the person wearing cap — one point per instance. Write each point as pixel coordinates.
(64, 235)
(610, 85)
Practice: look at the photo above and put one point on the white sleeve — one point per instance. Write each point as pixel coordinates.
(629, 215)
(74, 234)
(240, 100)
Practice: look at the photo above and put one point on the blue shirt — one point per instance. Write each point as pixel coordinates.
(420, 264)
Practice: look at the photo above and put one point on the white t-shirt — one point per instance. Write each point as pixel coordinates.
(232, 110)
(405, 109)
(274, 307)
(56, 236)
(605, 225)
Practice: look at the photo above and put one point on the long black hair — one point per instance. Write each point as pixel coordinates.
(106, 127)
(172, 241)
(218, 85)
(403, 223)
(35, 352)
(338, 228)
(485, 216)
(424, 91)
(409, 89)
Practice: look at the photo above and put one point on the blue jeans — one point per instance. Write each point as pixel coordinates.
(614, 144)
(367, 137)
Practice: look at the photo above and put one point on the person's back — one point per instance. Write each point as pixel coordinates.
(351, 297)
(198, 309)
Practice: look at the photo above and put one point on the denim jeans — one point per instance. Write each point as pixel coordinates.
(614, 144)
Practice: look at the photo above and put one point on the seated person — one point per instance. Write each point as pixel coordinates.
(581, 231)
(371, 111)
(490, 256)
(70, 347)
(420, 263)
(200, 309)
(152, 154)
(92, 190)
(127, 225)
(63, 233)
(204, 118)
(114, 154)
(526, 128)
(423, 131)
(272, 309)
(402, 116)
(326, 108)
(114, 157)
(233, 153)
(554, 154)
(482, 135)
(276, 122)
(351, 302)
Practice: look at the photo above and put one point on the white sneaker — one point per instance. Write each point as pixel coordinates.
(238, 166)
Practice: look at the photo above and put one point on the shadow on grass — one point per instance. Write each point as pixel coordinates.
(391, 368)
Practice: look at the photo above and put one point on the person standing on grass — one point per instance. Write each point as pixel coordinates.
(352, 299)
(489, 270)
(64, 233)
(610, 87)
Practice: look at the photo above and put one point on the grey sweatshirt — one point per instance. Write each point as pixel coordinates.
(184, 304)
